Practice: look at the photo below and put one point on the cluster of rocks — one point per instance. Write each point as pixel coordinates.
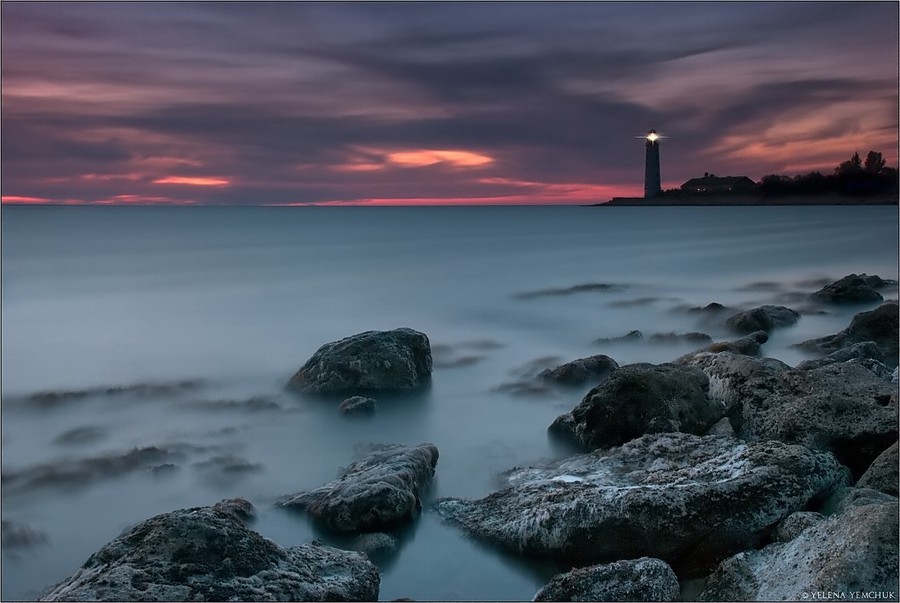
(761, 480)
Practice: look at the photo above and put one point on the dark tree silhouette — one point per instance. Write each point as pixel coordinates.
(874, 163)
(851, 177)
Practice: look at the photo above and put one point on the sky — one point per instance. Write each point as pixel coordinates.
(380, 103)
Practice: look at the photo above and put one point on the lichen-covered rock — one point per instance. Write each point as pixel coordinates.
(879, 326)
(764, 318)
(358, 405)
(643, 579)
(848, 553)
(688, 500)
(882, 473)
(794, 524)
(372, 361)
(852, 289)
(208, 554)
(580, 371)
(638, 399)
(375, 493)
(842, 407)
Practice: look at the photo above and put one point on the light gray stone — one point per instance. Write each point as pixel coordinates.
(643, 579)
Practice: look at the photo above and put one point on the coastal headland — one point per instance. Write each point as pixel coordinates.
(727, 199)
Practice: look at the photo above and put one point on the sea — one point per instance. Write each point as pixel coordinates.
(145, 352)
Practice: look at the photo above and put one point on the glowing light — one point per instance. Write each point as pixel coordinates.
(192, 181)
(652, 136)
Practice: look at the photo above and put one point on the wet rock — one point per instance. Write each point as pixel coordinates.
(748, 346)
(764, 318)
(882, 473)
(711, 308)
(358, 405)
(51, 399)
(794, 524)
(866, 349)
(851, 289)
(847, 497)
(638, 399)
(852, 552)
(687, 500)
(879, 326)
(208, 554)
(629, 337)
(375, 493)
(376, 544)
(643, 579)
(16, 535)
(843, 407)
(372, 361)
(593, 368)
(692, 337)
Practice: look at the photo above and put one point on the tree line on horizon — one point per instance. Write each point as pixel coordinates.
(852, 177)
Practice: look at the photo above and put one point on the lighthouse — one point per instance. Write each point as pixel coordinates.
(651, 165)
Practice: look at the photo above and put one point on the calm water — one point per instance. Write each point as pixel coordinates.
(234, 300)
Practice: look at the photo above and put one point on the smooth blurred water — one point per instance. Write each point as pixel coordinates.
(236, 299)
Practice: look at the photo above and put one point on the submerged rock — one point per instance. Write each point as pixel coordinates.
(374, 493)
(208, 554)
(879, 326)
(593, 368)
(847, 553)
(763, 318)
(643, 579)
(882, 473)
(692, 337)
(358, 405)
(372, 361)
(638, 399)
(851, 289)
(631, 336)
(687, 500)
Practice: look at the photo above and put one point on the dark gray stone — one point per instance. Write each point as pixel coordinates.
(208, 554)
(687, 500)
(879, 326)
(692, 337)
(853, 552)
(358, 405)
(593, 368)
(631, 336)
(372, 361)
(643, 579)
(376, 544)
(638, 399)
(763, 318)
(882, 473)
(866, 349)
(794, 524)
(375, 493)
(852, 289)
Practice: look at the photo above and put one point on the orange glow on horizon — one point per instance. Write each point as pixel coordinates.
(193, 181)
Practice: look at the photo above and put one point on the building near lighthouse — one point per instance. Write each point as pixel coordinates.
(652, 186)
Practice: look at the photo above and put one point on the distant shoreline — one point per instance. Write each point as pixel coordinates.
(749, 200)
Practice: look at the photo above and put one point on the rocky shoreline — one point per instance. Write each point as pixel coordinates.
(740, 475)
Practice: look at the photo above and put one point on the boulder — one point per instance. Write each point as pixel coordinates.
(854, 552)
(866, 349)
(358, 405)
(843, 407)
(688, 500)
(879, 326)
(882, 473)
(749, 345)
(847, 497)
(643, 579)
(372, 361)
(638, 399)
(692, 337)
(593, 368)
(373, 494)
(764, 318)
(794, 525)
(852, 289)
(376, 544)
(631, 336)
(208, 554)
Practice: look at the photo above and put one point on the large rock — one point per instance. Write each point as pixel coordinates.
(763, 318)
(854, 552)
(879, 326)
(748, 345)
(638, 399)
(372, 361)
(864, 350)
(852, 289)
(208, 554)
(843, 407)
(882, 473)
(643, 579)
(374, 493)
(688, 500)
(580, 371)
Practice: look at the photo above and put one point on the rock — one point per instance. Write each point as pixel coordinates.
(876, 282)
(711, 308)
(208, 554)
(866, 349)
(376, 544)
(687, 500)
(749, 345)
(692, 337)
(372, 361)
(643, 579)
(843, 407)
(358, 405)
(852, 289)
(847, 497)
(882, 473)
(849, 553)
(374, 493)
(631, 336)
(722, 427)
(577, 372)
(763, 318)
(638, 399)
(794, 524)
(879, 326)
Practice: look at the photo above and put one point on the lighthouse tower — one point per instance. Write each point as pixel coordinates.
(651, 167)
